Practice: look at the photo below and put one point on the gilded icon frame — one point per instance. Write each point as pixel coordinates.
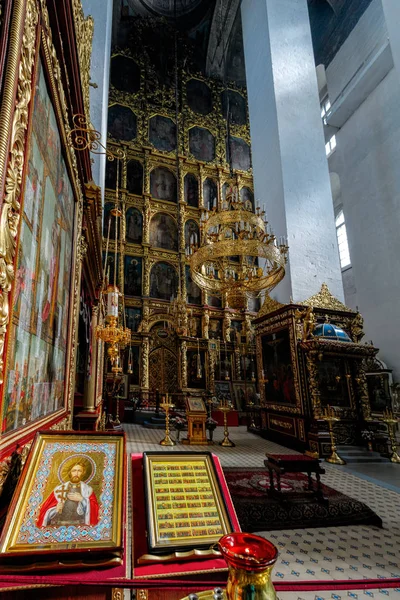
(28, 529)
(196, 404)
(158, 463)
(37, 51)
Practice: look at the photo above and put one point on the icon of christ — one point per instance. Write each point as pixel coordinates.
(73, 502)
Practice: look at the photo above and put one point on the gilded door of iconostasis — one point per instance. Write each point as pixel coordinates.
(163, 360)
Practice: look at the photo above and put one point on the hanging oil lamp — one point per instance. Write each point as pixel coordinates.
(199, 367)
(130, 371)
(226, 365)
(253, 374)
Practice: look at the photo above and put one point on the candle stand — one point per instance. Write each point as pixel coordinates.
(225, 408)
(391, 422)
(165, 405)
(250, 410)
(330, 417)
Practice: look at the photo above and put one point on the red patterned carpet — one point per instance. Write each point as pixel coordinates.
(258, 511)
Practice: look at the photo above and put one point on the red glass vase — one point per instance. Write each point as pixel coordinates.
(250, 560)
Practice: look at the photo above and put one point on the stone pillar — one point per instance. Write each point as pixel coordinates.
(99, 77)
(89, 399)
(288, 149)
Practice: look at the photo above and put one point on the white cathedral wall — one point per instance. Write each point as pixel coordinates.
(367, 159)
(369, 34)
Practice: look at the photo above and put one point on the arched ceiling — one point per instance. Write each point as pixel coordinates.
(213, 27)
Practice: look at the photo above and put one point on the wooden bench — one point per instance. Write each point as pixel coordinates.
(282, 464)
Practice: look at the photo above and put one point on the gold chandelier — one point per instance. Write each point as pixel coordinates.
(234, 244)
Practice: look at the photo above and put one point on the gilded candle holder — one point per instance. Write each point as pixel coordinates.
(167, 441)
(226, 442)
(391, 421)
(250, 410)
(330, 417)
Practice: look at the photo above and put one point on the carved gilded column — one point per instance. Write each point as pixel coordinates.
(182, 266)
(146, 175)
(220, 184)
(146, 274)
(362, 389)
(205, 324)
(184, 364)
(238, 365)
(89, 398)
(311, 361)
(146, 221)
(226, 327)
(145, 362)
(182, 219)
(211, 362)
(201, 195)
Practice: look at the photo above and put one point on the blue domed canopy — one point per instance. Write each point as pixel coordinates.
(331, 332)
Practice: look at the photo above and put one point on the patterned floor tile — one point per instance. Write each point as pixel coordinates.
(334, 553)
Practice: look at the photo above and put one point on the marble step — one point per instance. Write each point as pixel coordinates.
(151, 425)
(359, 454)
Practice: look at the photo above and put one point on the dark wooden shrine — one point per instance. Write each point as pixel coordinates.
(310, 356)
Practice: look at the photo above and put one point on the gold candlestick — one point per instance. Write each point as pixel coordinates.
(165, 405)
(250, 408)
(225, 409)
(391, 421)
(117, 421)
(330, 417)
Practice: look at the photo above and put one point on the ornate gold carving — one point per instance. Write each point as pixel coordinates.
(84, 29)
(184, 364)
(10, 212)
(362, 388)
(249, 329)
(206, 323)
(61, 425)
(269, 305)
(117, 594)
(11, 72)
(357, 328)
(145, 362)
(312, 367)
(307, 321)
(226, 327)
(325, 299)
(10, 468)
(82, 248)
(4, 471)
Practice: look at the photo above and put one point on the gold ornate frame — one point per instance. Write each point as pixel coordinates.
(37, 478)
(284, 320)
(184, 463)
(30, 41)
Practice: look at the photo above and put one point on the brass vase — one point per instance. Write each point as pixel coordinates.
(250, 560)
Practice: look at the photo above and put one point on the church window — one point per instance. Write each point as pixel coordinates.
(343, 245)
(331, 143)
